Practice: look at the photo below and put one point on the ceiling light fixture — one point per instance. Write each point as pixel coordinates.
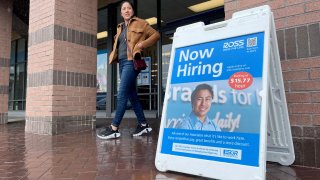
(152, 21)
(102, 34)
(206, 5)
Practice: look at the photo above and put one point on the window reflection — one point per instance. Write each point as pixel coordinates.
(17, 83)
(21, 50)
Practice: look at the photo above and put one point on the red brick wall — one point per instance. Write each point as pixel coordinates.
(297, 23)
(5, 47)
(62, 62)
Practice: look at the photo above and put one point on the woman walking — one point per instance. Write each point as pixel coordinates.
(133, 35)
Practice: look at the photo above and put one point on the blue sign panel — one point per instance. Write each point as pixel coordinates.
(214, 104)
(218, 60)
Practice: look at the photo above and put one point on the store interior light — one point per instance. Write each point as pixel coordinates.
(102, 34)
(152, 21)
(166, 54)
(206, 5)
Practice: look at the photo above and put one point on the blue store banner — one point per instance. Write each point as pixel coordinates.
(217, 83)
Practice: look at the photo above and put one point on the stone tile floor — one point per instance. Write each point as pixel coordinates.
(83, 156)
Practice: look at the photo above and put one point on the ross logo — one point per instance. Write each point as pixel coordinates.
(233, 44)
(233, 154)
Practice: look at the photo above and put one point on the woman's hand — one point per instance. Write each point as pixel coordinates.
(140, 46)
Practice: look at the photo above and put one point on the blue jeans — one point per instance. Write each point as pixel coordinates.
(128, 91)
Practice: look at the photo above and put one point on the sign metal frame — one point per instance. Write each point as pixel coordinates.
(193, 158)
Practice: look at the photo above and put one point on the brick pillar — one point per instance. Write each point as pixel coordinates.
(62, 60)
(298, 25)
(5, 47)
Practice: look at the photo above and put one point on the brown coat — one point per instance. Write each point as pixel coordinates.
(138, 30)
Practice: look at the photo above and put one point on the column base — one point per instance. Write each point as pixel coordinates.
(3, 118)
(59, 125)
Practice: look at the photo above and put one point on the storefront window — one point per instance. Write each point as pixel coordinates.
(166, 54)
(19, 81)
(18, 75)
(21, 50)
(13, 52)
(147, 80)
(102, 59)
(175, 10)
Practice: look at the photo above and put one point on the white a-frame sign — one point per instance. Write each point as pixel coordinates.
(225, 111)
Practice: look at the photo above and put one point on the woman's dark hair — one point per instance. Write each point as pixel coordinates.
(131, 4)
(201, 87)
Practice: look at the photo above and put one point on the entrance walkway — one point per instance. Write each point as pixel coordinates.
(83, 156)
